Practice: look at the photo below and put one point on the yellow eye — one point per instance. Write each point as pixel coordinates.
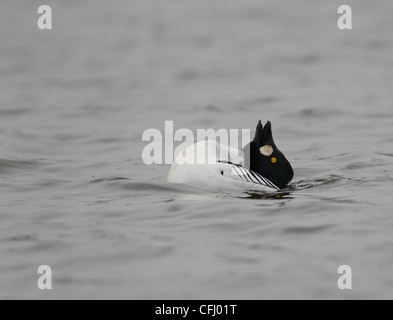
(274, 160)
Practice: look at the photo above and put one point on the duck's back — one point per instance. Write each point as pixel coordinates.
(215, 167)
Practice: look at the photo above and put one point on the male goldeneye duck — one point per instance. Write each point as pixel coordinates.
(260, 166)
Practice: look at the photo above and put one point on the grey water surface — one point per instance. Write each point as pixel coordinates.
(76, 195)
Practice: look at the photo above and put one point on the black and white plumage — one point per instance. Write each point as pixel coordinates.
(260, 166)
(244, 174)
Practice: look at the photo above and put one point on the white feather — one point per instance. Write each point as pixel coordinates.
(216, 167)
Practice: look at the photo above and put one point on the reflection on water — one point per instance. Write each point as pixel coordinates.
(274, 196)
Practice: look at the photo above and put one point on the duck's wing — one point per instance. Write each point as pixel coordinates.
(240, 173)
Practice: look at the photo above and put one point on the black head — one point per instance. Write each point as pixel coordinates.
(266, 159)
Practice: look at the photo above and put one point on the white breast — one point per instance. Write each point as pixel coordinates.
(199, 165)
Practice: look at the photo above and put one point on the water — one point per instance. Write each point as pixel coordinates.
(76, 195)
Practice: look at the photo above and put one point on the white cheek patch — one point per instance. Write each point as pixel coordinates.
(266, 150)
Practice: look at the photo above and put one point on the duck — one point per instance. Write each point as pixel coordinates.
(259, 166)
